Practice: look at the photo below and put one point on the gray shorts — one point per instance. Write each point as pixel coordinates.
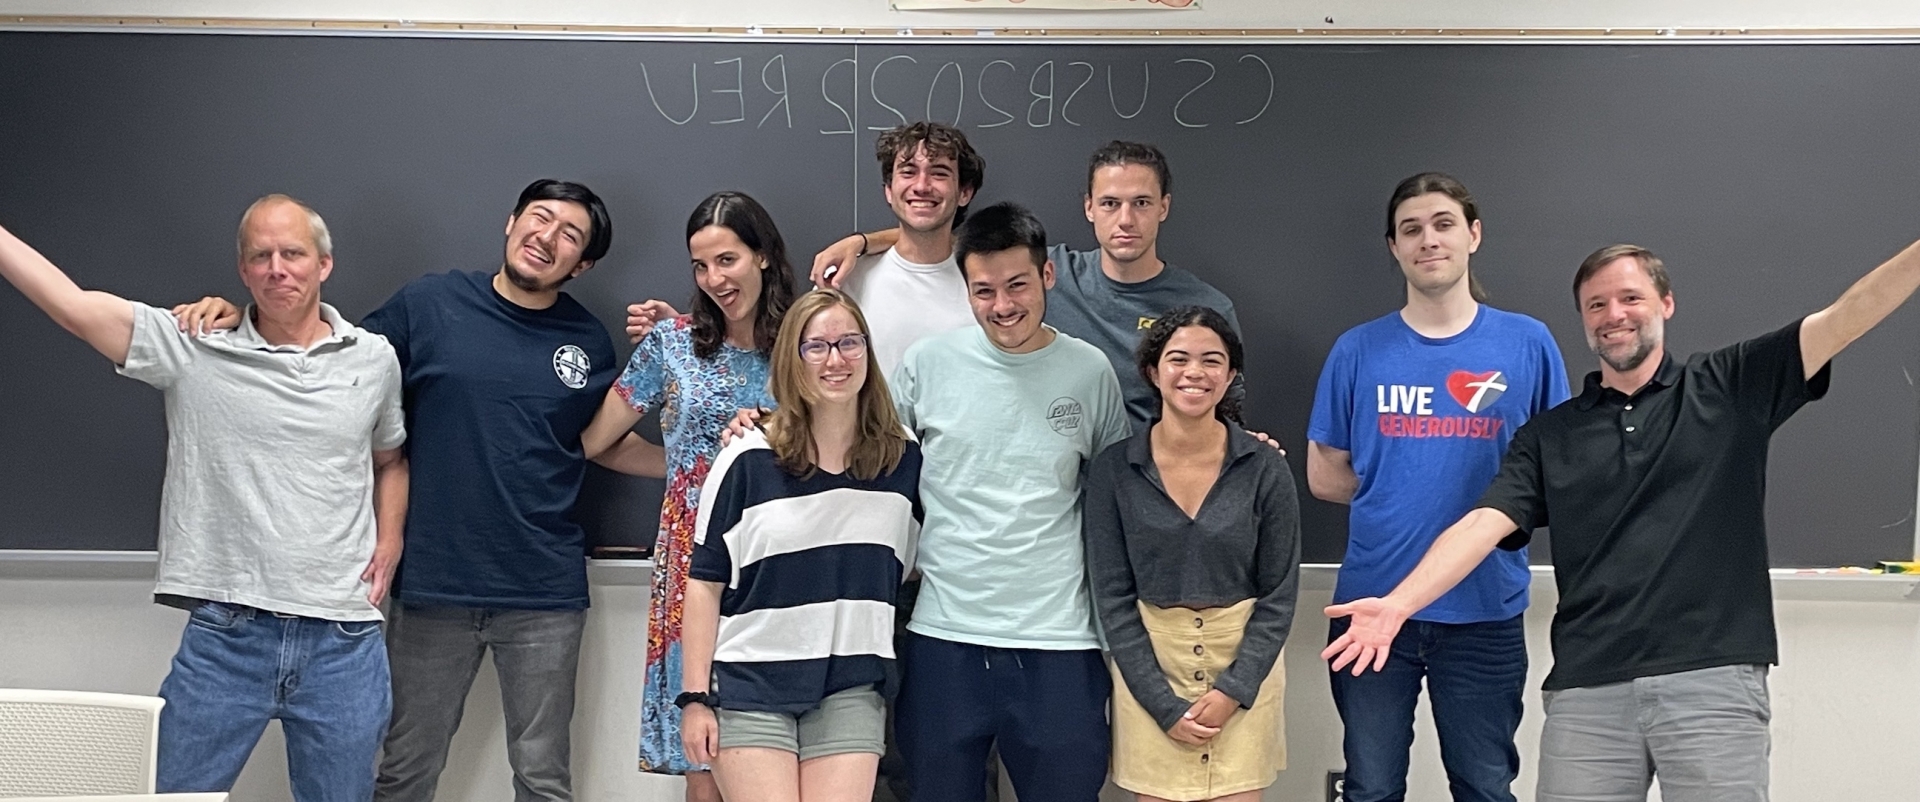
(853, 720)
(1702, 733)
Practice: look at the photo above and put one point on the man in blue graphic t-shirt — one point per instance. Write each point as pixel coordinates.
(1412, 415)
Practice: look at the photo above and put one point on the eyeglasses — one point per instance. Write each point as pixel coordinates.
(851, 347)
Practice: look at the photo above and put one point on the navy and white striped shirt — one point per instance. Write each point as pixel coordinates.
(812, 569)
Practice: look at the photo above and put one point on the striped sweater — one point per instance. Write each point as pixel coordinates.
(812, 569)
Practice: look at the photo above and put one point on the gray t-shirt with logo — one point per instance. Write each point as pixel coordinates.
(268, 500)
(1112, 315)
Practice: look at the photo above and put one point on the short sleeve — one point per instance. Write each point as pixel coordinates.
(1519, 490)
(159, 352)
(390, 428)
(1113, 425)
(643, 385)
(905, 390)
(393, 322)
(1331, 423)
(1554, 389)
(1765, 377)
(722, 501)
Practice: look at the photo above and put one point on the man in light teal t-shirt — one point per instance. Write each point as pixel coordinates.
(1002, 646)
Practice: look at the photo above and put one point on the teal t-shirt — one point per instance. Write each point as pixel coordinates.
(1003, 438)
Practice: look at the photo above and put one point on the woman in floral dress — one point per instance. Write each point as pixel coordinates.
(697, 369)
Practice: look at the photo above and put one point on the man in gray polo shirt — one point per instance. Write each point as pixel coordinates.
(281, 516)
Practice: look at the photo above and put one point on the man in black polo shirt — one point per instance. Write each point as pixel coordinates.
(1657, 473)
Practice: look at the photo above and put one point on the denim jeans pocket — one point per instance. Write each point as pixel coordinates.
(357, 629)
(217, 616)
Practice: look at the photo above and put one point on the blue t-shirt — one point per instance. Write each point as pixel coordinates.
(496, 398)
(1427, 421)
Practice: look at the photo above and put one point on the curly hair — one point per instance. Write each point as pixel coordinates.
(1147, 356)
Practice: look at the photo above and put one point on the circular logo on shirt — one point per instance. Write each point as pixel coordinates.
(572, 366)
(1064, 415)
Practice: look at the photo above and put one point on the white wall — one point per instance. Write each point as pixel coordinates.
(1845, 697)
(879, 14)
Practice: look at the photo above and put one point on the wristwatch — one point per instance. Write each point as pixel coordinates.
(693, 698)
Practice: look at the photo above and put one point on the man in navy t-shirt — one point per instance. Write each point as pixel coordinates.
(1412, 414)
(502, 372)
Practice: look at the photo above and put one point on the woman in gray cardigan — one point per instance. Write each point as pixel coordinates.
(1193, 546)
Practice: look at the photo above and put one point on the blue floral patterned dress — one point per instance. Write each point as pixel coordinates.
(696, 398)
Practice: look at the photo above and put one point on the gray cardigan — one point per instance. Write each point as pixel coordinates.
(1245, 544)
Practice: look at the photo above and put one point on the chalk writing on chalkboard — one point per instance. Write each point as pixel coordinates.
(899, 88)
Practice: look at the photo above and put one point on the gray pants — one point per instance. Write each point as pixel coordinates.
(435, 653)
(1703, 733)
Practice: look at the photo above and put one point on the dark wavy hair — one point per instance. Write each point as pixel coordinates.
(941, 140)
(1147, 356)
(748, 220)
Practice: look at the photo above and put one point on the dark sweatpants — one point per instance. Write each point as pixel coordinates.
(1046, 710)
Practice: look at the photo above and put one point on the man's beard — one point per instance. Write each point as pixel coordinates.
(531, 283)
(1631, 358)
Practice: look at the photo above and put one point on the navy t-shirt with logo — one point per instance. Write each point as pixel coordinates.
(1426, 421)
(496, 397)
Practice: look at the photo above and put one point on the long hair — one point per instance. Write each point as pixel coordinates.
(748, 220)
(1417, 185)
(1147, 356)
(878, 441)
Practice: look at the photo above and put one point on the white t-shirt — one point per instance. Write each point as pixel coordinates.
(904, 302)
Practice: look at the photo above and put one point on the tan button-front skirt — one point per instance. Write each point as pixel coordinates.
(1193, 647)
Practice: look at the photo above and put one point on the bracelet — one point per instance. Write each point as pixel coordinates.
(693, 698)
(863, 242)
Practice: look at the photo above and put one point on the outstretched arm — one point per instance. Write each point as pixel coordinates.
(1826, 332)
(1377, 621)
(102, 319)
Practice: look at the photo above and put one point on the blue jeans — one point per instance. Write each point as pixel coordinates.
(1045, 709)
(1475, 675)
(239, 667)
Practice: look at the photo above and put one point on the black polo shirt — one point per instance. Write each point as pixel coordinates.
(1658, 508)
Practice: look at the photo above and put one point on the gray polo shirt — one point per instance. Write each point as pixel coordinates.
(268, 500)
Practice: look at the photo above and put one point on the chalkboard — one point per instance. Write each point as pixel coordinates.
(1769, 176)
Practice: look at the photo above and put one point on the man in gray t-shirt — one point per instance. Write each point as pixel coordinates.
(281, 514)
(1105, 296)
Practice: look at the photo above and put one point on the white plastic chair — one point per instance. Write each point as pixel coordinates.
(74, 742)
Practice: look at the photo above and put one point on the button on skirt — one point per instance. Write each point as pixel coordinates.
(1194, 647)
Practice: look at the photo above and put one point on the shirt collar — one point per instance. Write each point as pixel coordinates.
(247, 336)
(1666, 375)
(1239, 444)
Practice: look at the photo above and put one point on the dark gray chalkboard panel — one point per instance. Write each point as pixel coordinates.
(1769, 176)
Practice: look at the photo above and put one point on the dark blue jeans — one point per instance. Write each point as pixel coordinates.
(239, 667)
(1046, 710)
(1475, 675)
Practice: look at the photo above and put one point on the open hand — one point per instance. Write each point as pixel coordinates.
(1368, 639)
(207, 315)
(743, 421)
